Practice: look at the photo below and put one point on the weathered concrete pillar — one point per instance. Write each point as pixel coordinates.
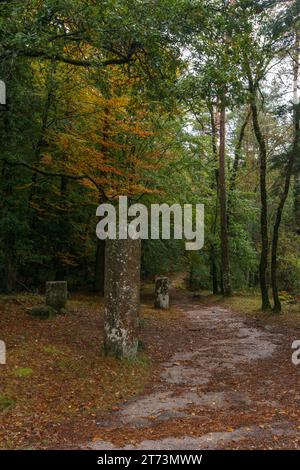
(162, 285)
(122, 297)
(56, 294)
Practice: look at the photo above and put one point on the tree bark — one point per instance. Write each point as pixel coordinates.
(99, 279)
(214, 137)
(65, 230)
(223, 207)
(99, 267)
(236, 161)
(122, 297)
(284, 195)
(214, 271)
(40, 145)
(263, 265)
(8, 234)
(215, 186)
(297, 202)
(288, 175)
(296, 100)
(9, 265)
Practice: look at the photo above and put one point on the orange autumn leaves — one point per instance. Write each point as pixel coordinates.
(111, 139)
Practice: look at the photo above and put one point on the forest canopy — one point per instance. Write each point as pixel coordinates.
(169, 101)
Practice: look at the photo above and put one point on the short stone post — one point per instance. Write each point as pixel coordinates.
(162, 285)
(2, 353)
(56, 294)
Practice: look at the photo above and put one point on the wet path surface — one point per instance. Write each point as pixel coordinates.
(224, 389)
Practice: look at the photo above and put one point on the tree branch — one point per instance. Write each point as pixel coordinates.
(58, 174)
(78, 62)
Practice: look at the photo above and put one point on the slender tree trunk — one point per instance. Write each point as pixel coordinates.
(8, 234)
(99, 267)
(85, 257)
(289, 169)
(297, 202)
(296, 100)
(213, 257)
(65, 227)
(99, 278)
(9, 265)
(288, 174)
(214, 138)
(40, 143)
(215, 186)
(236, 161)
(223, 207)
(122, 297)
(263, 265)
(214, 271)
(237, 153)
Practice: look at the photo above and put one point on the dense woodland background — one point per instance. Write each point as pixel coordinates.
(184, 101)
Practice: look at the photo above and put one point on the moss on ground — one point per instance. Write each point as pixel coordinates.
(22, 371)
(6, 403)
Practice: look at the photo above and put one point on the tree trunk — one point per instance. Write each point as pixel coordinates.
(237, 153)
(223, 208)
(8, 233)
(214, 137)
(236, 162)
(296, 102)
(65, 230)
(41, 143)
(214, 271)
(9, 266)
(263, 265)
(215, 187)
(99, 279)
(122, 297)
(99, 267)
(288, 175)
(297, 202)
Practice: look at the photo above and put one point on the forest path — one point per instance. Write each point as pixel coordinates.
(230, 384)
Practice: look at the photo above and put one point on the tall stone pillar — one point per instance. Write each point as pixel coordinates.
(122, 297)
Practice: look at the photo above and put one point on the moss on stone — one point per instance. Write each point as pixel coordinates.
(44, 312)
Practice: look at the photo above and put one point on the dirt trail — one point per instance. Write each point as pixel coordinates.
(231, 384)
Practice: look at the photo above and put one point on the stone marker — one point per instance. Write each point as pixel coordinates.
(2, 93)
(2, 353)
(122, 297)
(161, 292)
(56, 294)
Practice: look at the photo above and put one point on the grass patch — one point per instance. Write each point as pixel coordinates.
(23, 371)
(250, 304)
(52, 350)
(6, 403)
